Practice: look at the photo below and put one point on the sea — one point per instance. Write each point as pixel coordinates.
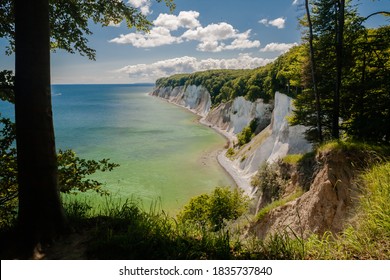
(166, 157)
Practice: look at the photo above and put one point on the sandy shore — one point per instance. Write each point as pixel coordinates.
(242, 181)
(237, 175)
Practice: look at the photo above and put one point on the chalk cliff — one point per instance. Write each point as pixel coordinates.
(194, 98)
(276, 140)
(276, 137)
(235, 115)
(326, 200)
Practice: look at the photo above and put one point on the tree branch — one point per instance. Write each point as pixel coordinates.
(384, 13)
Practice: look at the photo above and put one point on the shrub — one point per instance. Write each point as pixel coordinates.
(268, 181)
(212, 211)
(230, 153)
(245, 136)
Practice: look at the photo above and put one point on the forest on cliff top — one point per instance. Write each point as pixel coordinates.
(364, 93)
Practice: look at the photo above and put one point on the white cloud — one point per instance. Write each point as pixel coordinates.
(210, 46)
(278, 22)
(295, 2)
(212, 32)
(242, 42)
(278, 47)
(185, 19)
(143, 5)
(158, 36)
(212, 38)
(187, 64)
(264, 21)
(113, 24)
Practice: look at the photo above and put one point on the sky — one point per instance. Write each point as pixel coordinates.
(198, 35)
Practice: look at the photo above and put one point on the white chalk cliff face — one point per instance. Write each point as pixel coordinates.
(194, 98)
(276, 139)
(288, 139)
(234, 116)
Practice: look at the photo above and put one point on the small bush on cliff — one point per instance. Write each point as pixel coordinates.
(212, 211)
(230, 153)
(268, 182)
(246, 135)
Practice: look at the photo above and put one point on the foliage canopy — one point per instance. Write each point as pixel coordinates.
(69, 21)
(283, 75)
(360, 102)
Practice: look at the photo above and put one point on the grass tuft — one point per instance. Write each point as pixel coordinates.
(277, 203)
(292, 159)
(370, 237)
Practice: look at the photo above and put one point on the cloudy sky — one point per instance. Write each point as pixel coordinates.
(198, 35)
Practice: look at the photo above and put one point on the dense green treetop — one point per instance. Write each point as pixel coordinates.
(284, 75)
(69, 21)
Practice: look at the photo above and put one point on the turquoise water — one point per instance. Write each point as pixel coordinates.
(162, 150)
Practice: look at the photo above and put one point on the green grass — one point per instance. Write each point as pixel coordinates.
(123, 230)
(376, 206)
(292, 159)
(373, 152)
(277, 203)
(127, 232)
(369, 236)
(279, 246)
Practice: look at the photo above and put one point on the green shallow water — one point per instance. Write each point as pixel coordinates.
(163, 152)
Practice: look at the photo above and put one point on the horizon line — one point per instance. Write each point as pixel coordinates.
(86, 84)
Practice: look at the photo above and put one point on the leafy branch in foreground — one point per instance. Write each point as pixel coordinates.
(8, 179)
(73, 172)
(7, 80)
(70, 22)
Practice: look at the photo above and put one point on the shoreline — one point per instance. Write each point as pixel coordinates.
(227, 165)
(241, 181)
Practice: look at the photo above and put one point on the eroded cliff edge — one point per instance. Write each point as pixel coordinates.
(315, 199)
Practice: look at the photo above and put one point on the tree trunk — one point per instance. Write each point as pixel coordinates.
(313, 73)
(41, 215)
(340, 10)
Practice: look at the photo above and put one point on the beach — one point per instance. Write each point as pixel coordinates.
(241, 180)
